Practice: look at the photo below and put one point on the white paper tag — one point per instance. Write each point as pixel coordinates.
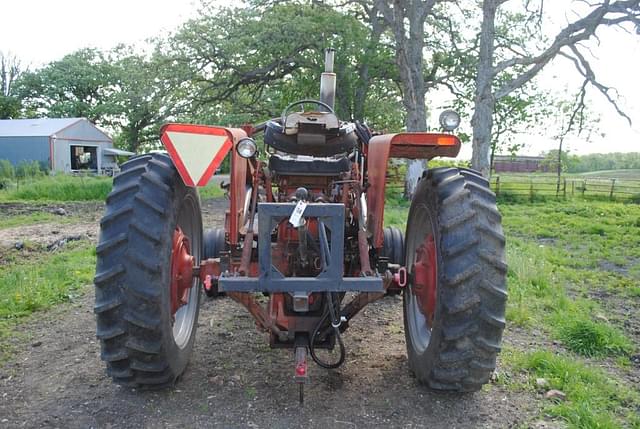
(296, 217)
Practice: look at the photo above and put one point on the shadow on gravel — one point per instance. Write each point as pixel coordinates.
(235, 380)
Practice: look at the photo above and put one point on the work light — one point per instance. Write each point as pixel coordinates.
(449, 120)
(246, 147)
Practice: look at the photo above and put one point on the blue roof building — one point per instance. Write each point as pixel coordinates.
(61, 144)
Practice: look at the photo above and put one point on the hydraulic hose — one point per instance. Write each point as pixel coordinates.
(335, 323)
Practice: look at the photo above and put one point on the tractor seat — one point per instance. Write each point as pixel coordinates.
(303, 165)
(311, 133)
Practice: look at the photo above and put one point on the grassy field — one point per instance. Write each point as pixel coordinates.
(58, 188)
(563, 257)
(630, 174)
(65, 188)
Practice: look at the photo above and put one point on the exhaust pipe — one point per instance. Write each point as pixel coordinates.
(328, 80)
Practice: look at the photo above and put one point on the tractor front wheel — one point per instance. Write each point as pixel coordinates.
(454, 303)
(147, 300)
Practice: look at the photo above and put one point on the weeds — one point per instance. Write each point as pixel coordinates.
(594, 400)
(30, 286)
(60, 188)
(589, 338)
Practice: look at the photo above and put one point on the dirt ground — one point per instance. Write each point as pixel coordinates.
(76, 221)
(56, 378)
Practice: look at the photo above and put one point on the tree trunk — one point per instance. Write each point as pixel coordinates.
(362, 84)
(491, 159)
(409, 57)
(482, 120)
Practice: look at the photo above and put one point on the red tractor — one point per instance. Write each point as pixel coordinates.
(304, 247)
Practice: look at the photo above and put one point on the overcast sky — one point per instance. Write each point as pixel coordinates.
(39, 31)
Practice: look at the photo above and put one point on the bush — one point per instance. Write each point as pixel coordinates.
(6, 169)
(29, 169)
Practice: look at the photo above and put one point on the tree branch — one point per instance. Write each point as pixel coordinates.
(584, 68)
(582, 29)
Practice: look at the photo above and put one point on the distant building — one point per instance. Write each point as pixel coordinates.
(519, 164)
(61, 144)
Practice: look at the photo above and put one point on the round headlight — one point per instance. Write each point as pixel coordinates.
(246, 147)
(449, 120)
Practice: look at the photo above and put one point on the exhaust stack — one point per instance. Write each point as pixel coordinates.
(328, 80)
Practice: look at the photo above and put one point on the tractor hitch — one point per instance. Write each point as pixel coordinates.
(301, 376)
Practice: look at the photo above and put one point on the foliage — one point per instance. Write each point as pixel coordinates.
(602, 161)
(10, 70)
(7, 171)
(76, 86)
(9, 107)
(30, 169)
(59, 188)
(247, 64)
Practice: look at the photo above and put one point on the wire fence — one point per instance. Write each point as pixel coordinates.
(533, 187)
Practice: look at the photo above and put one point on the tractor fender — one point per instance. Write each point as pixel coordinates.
(400, 145)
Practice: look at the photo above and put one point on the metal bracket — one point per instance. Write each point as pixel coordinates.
(330, 278)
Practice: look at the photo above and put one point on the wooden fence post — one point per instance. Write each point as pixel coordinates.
(497, 186)
(573, 185)
(564, 188)
(584, 187)
(531, 189)
(613, 184)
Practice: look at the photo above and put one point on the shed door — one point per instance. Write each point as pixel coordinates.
(84, 157)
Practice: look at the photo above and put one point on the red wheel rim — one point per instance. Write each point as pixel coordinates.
(181, 270)
(425, 278)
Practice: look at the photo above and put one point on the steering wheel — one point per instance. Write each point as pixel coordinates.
(305, 101)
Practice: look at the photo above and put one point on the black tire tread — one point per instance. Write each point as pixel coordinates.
(473, 281)
(128, 324)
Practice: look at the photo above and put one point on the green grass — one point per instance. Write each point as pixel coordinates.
(594, 399)
(629, 174)
(589, 338)
(212, 190)
(33, 285)
(60, 188)
(11, 221)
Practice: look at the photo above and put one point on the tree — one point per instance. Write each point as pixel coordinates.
(78, 85)
(10, 71)
(147, 91)
(416, 27)
(243, 71)
(524, 62)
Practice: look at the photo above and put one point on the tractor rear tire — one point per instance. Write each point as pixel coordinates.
(144, 342)
(453, 335)
(214, 243)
